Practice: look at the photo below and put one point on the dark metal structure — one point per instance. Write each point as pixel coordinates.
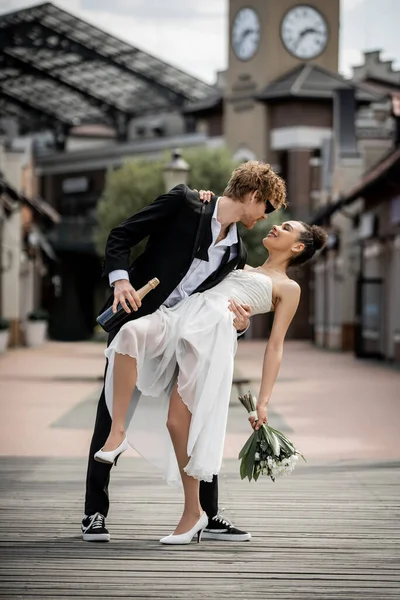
(58, 71)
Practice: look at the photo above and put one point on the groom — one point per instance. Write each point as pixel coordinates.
(191, 247)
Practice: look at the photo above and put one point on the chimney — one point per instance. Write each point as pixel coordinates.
(344, 123)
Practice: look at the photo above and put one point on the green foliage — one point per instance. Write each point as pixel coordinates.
(209, 169)
(4, 324)
(137, 183)
(127, 190)
(40, 314)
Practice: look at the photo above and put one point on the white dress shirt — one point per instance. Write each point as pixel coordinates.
(199, 270)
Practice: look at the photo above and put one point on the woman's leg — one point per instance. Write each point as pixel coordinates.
(178, 423)
(124, 381)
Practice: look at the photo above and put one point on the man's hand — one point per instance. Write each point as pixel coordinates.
(205, 195)
(242, 314)
(262, 417)
(123, 293)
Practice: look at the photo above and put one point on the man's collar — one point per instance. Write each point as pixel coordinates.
(232, 235)
(216, 209)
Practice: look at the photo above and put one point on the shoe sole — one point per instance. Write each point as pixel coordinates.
(96, 537)
(104, 462)
(226, 537)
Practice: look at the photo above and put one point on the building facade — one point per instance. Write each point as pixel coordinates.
(276, 101)
(356, 292)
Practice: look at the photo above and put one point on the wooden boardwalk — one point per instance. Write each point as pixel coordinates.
(325, 532)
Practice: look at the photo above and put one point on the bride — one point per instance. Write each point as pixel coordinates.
(175, 366)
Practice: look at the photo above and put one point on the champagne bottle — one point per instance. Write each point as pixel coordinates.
(143, 291)
(108, 320)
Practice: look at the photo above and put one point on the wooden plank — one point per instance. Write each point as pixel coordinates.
(325, 532)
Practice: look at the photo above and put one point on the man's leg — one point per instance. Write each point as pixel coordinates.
(209, 497)
(98, 474)
(218, 527)
(97, 480)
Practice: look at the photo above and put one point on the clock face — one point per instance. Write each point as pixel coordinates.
(304, 32)
(245, 33)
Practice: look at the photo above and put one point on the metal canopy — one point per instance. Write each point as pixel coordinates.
(57, 67)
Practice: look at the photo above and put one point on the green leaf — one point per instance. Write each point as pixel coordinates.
(284, 441)
(287, 448)
(281, 436)
(243, 468)
(251, 400)
(250, 458)
(246, 447)
(275, 443)
(268, 439)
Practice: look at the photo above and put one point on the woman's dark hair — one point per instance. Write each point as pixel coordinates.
(314, 238)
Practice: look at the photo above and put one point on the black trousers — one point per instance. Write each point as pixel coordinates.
(98, 474)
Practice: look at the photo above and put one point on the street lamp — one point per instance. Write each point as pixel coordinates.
(176, 171)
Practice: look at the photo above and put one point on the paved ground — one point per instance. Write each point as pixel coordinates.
(328, 531)
(337, 408)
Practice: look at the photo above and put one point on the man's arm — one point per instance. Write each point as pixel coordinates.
(132, 231)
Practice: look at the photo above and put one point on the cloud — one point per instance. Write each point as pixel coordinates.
(193, 47)
(368, 25)
(192, 40)
(13, 5)
(351, 4)
(188, 34)
(348, 58)
(169, 10)
(192, 34)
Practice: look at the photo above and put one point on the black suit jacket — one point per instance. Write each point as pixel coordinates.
(179, 228)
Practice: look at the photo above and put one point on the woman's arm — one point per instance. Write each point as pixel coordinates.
(284, 313)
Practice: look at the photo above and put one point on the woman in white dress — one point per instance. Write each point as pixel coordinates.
(169, 373)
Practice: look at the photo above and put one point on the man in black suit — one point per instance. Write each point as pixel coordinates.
(191, 247)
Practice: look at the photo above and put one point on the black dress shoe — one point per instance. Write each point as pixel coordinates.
(219, 528)
(94, 529)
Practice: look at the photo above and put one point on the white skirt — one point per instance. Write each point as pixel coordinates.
(193, 342)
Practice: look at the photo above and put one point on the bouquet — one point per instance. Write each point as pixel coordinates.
(267, 451)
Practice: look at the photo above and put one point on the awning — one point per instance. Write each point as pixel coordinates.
(38, 205)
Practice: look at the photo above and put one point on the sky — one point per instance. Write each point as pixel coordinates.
(192, 34)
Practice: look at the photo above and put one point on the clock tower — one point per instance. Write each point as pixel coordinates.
(267, 39)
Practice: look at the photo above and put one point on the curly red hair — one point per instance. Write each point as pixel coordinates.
(256, 176)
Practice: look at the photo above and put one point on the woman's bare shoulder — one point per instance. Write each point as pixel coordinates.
(289, 287)
(286, 288)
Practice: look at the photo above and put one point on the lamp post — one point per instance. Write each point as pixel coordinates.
(176, 171)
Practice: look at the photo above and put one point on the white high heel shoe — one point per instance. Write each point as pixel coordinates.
(112, 456)
(186, 538)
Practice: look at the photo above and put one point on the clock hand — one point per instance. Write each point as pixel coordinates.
(303, 33)
(247, 32)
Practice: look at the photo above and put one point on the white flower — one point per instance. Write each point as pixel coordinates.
(257, 456)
